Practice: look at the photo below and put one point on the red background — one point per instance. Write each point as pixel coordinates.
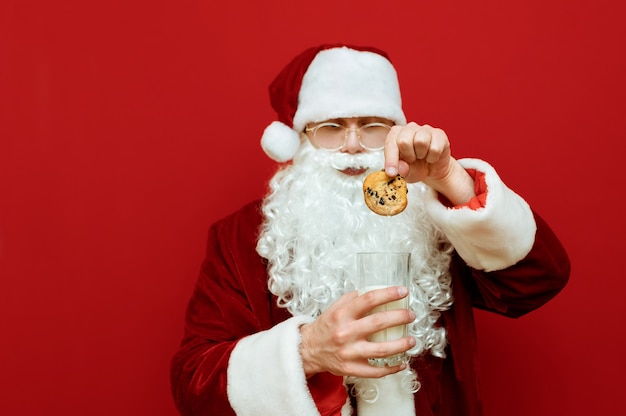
(127, 127)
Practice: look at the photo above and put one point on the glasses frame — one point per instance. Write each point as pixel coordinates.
(347, 131)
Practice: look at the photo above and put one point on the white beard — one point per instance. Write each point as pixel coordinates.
(316, 220)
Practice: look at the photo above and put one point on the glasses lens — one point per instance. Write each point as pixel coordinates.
(373, 135)
(329, 135)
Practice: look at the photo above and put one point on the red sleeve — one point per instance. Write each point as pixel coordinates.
(231, 301)
(527, 285)
(199, 368)
(329, 393)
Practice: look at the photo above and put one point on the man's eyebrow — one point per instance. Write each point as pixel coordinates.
(370, 119)
(360, 120)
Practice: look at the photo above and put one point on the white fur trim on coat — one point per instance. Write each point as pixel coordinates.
(490, 238)
(343, 82)
(265, 375)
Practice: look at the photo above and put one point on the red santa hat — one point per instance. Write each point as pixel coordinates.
(325, 82)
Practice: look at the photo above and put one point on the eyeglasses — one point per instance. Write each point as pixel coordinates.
(333, 136)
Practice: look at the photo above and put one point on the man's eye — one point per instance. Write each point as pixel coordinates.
(331, 127)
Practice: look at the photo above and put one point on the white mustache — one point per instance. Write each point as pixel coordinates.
(341, 161)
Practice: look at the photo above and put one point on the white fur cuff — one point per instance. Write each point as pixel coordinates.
(490, 238)
(265, 375)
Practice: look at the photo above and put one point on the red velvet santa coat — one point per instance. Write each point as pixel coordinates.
(240, 351)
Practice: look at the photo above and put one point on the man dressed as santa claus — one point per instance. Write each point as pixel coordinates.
(275, 325)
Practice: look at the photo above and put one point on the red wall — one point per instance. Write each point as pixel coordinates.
(127, 127)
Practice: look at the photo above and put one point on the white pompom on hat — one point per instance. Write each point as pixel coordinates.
(326, 82)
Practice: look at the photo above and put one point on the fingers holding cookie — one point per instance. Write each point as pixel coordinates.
(416, 152)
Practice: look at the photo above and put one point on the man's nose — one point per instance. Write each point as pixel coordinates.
(352, 143)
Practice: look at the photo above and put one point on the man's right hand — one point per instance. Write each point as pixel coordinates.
(336, 341)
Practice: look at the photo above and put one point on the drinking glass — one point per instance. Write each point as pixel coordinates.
(377, 270)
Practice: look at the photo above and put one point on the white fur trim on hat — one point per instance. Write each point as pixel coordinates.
(280, 142)
(343, 82)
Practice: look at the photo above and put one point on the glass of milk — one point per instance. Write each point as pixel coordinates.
(377, 270)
